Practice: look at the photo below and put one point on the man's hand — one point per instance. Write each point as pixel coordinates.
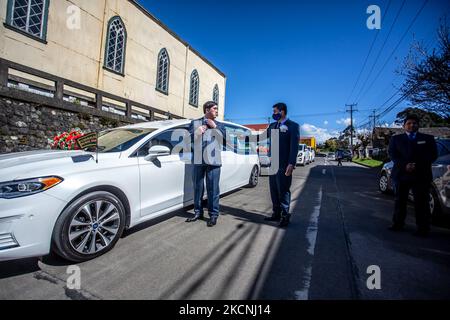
(410, 167)
(289, 170)
(211, 123)
(200, 130)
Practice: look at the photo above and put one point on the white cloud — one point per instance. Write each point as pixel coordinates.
(321, 134)
(345, 121)
(392, 125)
(325, 122)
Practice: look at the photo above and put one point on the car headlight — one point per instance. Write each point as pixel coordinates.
(22, 188)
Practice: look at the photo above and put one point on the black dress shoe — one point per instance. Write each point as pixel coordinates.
(284, 221)
(395, 227)
(212, 222)
(195, 218)
(273, 218)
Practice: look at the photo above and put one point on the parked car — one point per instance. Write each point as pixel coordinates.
(66, 202)
(331, 156)
(302, 155)
(347, 155)
(440, 187)
(311, 154)
(264, 161)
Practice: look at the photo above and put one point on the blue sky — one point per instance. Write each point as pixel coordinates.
(306, 53)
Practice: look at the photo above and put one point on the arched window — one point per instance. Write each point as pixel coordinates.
(215, 96)
(162, 77)
(115, 45)
(193, 92)
(29, 16)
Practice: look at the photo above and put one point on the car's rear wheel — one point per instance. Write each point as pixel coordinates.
(254, 177)
(435, 209)
(383, 183)
(89, 227)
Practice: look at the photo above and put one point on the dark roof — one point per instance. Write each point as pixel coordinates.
(439, 132)
(162, 25)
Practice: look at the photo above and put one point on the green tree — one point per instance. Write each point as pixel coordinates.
(427, 74)
(428, 119)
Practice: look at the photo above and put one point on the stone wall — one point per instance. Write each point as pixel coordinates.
(28, 126)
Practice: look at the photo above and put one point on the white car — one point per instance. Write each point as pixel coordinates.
(302, 155)
(66, 202)
(312, 154)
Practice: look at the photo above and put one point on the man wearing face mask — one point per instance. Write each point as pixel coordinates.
(280, 183)
(207, 135)
(413, 154)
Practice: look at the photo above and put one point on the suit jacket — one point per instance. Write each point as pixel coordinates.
(288, 142)
(422, 151)
(216, 143)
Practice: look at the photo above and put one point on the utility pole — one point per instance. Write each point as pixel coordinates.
(351, 106)
(374, 117)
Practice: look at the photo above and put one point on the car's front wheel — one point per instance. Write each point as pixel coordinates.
(383, 183)
(89, 227)
(254, 177)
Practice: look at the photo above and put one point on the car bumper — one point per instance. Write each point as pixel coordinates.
(26, 225)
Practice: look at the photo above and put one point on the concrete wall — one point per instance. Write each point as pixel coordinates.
(78, 55)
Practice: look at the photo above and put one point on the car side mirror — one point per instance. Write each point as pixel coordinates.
(157, 151)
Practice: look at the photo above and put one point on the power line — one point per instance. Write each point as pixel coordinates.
(396, 47)
(381, 50)
(368, 54)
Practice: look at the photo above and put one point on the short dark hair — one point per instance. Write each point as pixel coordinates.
(208, 105)
(281, 107)
(411, 117)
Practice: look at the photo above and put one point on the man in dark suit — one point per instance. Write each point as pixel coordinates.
(413, 154)
(207, 135)
(280, 183)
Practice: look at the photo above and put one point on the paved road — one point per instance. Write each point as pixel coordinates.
(337, 231)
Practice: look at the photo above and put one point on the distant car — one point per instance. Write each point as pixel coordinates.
(311, 154)
(440, 187)
(347, 155)
(303, 155)
(331, 156)
(264, 161)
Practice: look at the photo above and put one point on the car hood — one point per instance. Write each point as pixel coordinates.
(23, 165)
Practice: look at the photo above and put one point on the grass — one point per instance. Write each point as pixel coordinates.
(368, 162)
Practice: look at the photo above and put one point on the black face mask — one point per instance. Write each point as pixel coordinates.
(276, 116)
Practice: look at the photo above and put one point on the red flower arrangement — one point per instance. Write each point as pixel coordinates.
(67, 140)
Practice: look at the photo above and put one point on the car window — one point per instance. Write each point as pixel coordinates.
(118, 140)
(238, 140)
(162, 139)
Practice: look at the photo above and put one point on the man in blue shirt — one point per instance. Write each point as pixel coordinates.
(280, 182)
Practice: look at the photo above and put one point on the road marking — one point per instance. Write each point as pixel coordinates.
(311, 237)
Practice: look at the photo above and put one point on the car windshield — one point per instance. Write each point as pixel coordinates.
(301, 147)
(118, 140)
